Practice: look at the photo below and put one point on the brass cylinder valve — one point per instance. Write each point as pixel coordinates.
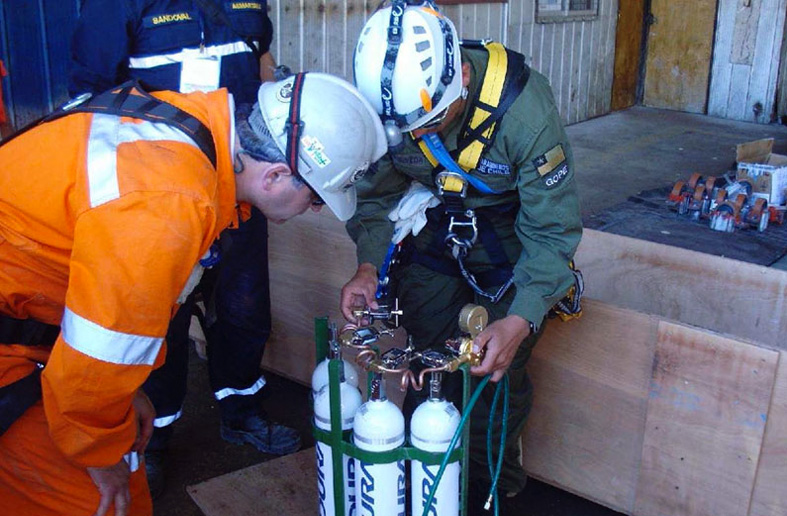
(472, 321)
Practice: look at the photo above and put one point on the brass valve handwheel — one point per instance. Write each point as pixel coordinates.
(473, 319)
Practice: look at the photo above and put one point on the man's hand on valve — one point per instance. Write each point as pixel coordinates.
(501, 340)
(359, 292)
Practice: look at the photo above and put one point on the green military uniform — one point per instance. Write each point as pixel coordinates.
(536, 220)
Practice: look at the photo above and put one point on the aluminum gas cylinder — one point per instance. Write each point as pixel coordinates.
(380, 489)
(432, 428)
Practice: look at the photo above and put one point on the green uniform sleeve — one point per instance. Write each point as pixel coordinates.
(378, 193)
(548, 223)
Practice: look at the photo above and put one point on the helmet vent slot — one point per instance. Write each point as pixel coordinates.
(426, 64)
(417, 29)
(423, 46)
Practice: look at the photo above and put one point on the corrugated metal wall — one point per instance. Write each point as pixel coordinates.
(34, 42)
(746, 59)
(578, 57)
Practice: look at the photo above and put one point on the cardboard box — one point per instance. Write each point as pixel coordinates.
(766, 171)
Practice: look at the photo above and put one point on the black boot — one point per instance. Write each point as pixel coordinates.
(156, 471)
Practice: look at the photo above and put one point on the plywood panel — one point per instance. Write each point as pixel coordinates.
(709, 400)
(286, 486)
(310, 258)
(679, 54)
(628, 49)
(591, 383)
(770, 489)
(711, 292)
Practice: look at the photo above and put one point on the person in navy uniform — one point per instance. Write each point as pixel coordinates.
(189, 45)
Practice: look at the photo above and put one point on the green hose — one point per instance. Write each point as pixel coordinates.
(495, 474)
(458, 433)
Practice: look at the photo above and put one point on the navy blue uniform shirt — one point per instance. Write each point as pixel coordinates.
(148, 39)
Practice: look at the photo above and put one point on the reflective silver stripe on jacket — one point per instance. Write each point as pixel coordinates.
(224, 49)
(107, 132)
(108, 345)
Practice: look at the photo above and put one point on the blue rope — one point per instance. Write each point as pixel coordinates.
(442, 155)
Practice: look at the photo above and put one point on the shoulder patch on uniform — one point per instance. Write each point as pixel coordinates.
(158, 20)
(549, 161)
(246, 6)
(490, 168)
(555, 177)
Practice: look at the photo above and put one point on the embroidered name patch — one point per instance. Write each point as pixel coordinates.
(556, 176)
(408, 159)
(166, 19)
(490, 168)
(246, 6)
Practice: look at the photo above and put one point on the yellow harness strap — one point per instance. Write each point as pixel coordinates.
(427, 153)
(491, 92)
(490, 95)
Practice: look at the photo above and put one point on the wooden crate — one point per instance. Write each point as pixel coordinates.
(667, 397)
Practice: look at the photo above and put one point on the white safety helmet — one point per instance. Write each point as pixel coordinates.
(339, 135)
(424, 72)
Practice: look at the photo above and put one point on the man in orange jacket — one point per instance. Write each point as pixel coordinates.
(105, 212)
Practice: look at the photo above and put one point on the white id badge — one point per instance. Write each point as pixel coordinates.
(200, 73)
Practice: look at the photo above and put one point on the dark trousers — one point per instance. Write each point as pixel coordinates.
(431, 303)
(238, 319)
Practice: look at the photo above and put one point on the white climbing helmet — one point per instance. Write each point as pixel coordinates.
(339, 135)
(424, 72)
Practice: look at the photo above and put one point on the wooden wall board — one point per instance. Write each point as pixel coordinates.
(781, 87)
(707, 409)
(591, 379)
(723, 295)
(770, 489)
(628, 53)
(761, 96)
(679, 51)
(746, 59)
(576, 56)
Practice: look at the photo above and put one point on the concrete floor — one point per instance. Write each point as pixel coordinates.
(623, 153)
(616, 156)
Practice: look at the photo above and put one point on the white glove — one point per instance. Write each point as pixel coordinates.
(409, 215)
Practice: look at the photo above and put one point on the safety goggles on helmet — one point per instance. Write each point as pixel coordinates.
(436, 121)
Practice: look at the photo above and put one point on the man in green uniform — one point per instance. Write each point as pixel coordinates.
(515, 175)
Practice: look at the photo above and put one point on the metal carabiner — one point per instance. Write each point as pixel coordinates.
(471, 223)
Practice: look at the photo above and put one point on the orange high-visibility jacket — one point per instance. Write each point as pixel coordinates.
(102, 220)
